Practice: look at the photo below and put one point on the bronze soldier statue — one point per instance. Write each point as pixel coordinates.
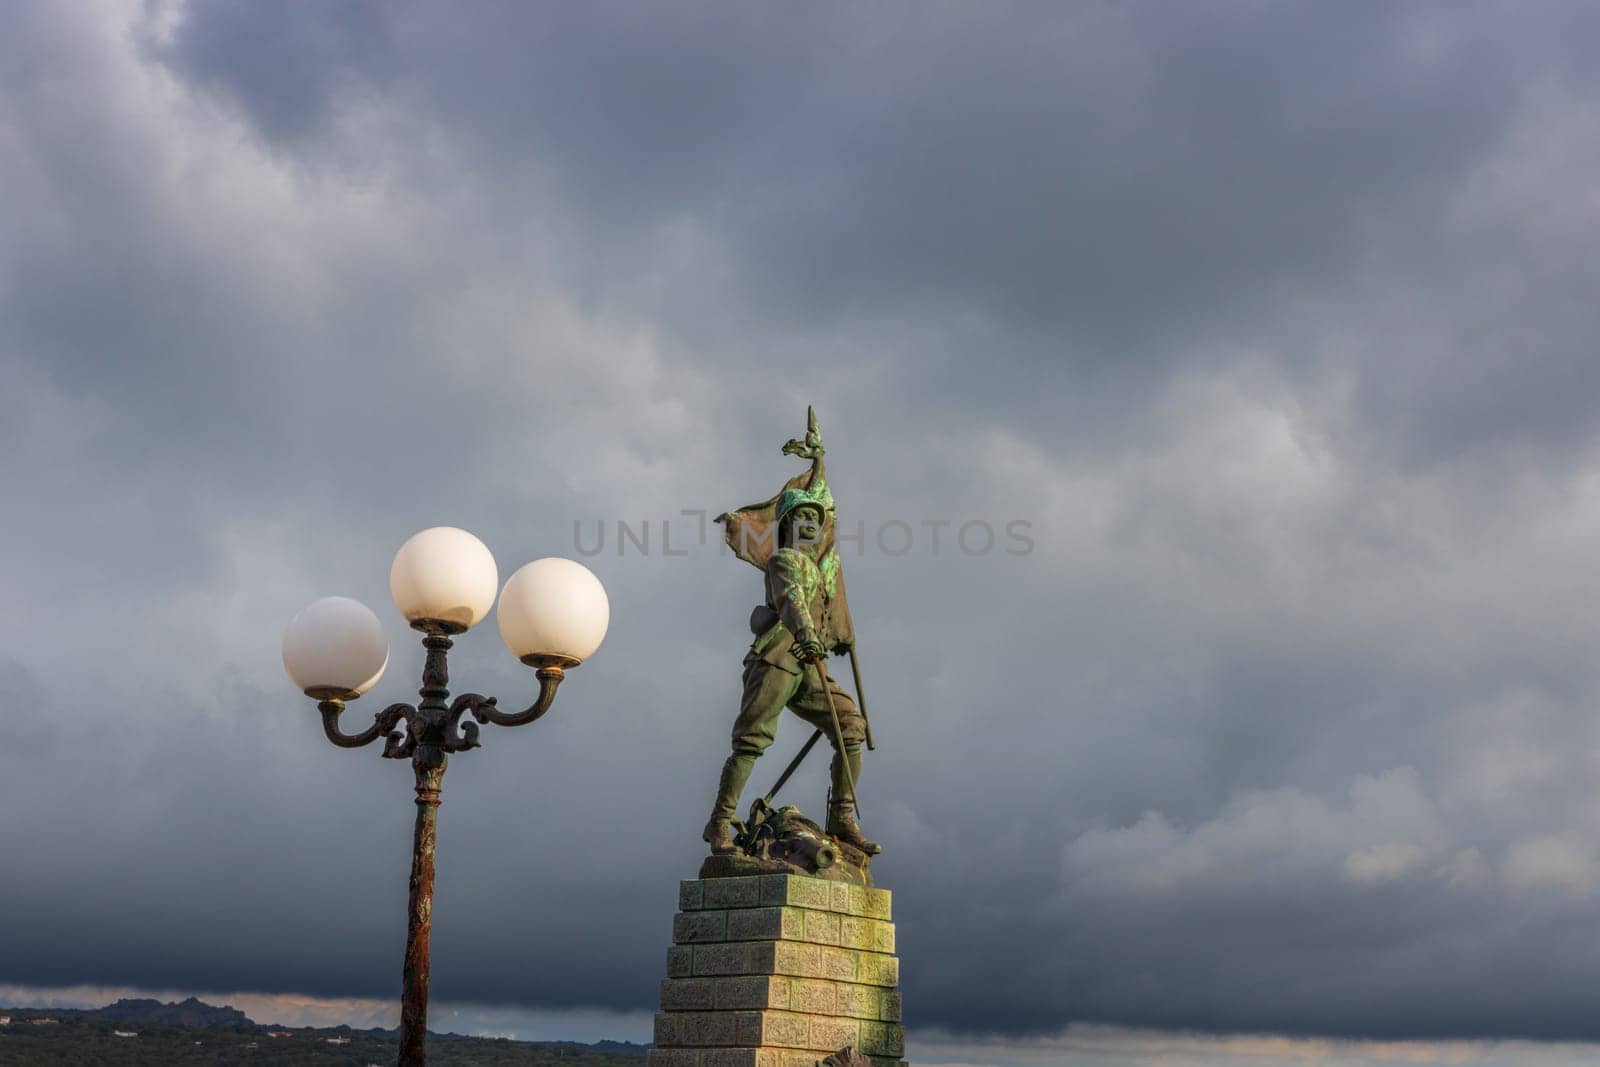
(805, 617)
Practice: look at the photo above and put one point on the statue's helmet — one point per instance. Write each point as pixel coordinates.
(821, 502)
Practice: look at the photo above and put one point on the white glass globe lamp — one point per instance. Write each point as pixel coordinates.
(443, 580)
(553, 613)
(335, 649)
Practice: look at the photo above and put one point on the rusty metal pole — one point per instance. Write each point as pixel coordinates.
(419, 926)
(428, 761)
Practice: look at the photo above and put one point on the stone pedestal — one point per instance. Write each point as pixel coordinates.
(779, 970)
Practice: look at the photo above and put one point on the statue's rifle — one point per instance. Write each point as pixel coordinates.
(794, 765)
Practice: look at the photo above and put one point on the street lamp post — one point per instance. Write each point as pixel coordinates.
(553, 614)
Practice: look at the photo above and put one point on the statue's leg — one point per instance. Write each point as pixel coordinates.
(811, 704)
(841, 788)
(766, 690)
(718, 832)
(842, 801)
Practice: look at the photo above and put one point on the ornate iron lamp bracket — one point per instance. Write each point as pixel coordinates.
(383, 725)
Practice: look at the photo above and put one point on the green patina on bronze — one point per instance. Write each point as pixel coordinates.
(830, 573)
(805, 615)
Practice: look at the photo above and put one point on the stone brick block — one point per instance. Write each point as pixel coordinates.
(666, 1030)
(882, 1039)
(797, 890)
(702, 1028)
(797, 959)
(680, 961)
(838, 964)
(692, 927)
(856, 932)
(688, 994)
(812, 996)
(874, 968)
(890, 1007)
(774, 924)
(801, 1059)
(740, 1057)
(750, 993)
(831, 1034)
(672, 1057)
(691, 896)
(782, 1029)
(858, 1001)
(883, 934)
(839, 897)
(732, 892)
(821, 927)
(870, 902)
(732, 957)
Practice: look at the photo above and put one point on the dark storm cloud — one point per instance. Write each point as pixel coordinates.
(1099, 192)
(1272, 322)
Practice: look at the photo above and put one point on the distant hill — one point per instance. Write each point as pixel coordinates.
(191, 1012)
(148, 1033)
(626, 1048)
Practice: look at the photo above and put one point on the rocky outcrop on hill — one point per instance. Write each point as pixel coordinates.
(191, 1012)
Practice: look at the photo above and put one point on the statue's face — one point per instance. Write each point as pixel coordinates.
(805, 530)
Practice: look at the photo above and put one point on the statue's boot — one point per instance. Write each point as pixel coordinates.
(841, 803)
(719, 830)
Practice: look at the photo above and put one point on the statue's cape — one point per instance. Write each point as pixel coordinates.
(752, 531)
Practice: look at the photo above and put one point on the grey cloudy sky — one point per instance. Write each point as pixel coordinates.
(1274, 322)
